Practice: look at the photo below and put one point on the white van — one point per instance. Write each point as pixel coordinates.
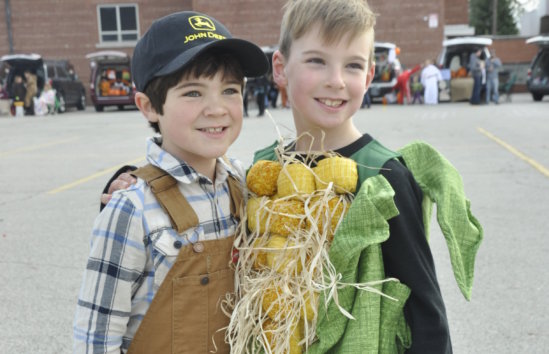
(453, 62)
(385, 78)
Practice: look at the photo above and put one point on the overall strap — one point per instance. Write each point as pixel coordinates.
(235, 189)
(168, 195)
(166, 192)
(236, 196)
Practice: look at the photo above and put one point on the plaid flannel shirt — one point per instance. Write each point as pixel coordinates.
(133, 246)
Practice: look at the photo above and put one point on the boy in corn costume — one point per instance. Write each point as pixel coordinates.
(325, 61)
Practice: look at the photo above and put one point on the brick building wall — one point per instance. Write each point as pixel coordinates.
(456, 12)
(407, 25)
(68, 29)
(254, 20)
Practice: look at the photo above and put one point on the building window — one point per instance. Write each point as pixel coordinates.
(118, 23)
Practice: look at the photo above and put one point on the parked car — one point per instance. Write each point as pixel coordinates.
(537, 81)
(385, 78)
(453, 61)
(69, 89)
(110, 79)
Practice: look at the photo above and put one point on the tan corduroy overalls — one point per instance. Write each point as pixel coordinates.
(185, 315)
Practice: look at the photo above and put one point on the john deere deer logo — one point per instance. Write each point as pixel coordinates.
(201, 23)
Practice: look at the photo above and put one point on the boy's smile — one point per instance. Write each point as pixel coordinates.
(202, 118)
(326, 83)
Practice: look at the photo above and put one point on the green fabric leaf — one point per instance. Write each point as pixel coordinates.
(442, 183)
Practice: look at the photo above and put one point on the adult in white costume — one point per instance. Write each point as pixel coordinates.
(430, 76)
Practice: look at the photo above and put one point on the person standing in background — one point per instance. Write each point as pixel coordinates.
(493, 66)
(403, 84)
(32, 90)
(260, 92)
(430, 76)
(475, 70)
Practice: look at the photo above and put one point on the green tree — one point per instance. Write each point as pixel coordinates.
(482, 12)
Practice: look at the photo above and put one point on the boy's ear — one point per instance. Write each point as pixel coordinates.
(370, 75)
(143, 103)
(279, 75)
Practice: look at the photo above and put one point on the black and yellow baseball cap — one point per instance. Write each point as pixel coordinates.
(174, 40)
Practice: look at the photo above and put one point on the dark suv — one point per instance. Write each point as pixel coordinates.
(538, 73)
(69, 89)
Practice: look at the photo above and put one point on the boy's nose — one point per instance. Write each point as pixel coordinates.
(335, 79)
(214, 107)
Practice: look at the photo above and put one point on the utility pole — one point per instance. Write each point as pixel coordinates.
(7, 10)
(494, 17)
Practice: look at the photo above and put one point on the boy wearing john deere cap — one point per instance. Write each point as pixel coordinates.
(159, 261)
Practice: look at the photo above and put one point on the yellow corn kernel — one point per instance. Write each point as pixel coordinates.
(254, 213)
(341, 171)
(295, 178)
(295, 338)
(286, 216)
(260, 260)
(311, 302)
(330, 211)
(262, 177)
(272, 303)
(269, 327)
(280, 257)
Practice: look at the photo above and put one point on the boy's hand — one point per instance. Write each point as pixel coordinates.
(121, 182)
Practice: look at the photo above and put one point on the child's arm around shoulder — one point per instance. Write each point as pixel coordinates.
(115, 267)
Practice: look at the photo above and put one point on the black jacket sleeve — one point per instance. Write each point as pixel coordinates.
(121, 170)
(407, 257)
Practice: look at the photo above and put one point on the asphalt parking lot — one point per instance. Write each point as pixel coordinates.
(54, 168)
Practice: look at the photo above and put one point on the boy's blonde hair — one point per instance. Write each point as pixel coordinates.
(336, 19)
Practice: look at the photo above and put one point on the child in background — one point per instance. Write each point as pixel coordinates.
(417, 90)
(45, 104)
(18, 93)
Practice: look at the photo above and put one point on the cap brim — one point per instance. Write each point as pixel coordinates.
(252, 59)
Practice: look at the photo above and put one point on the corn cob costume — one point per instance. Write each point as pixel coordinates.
(385, 234)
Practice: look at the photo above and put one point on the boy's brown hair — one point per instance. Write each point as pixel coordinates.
(207, 64)
(336, 18)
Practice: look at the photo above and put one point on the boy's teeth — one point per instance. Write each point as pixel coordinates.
(332, 103)
(213, 130)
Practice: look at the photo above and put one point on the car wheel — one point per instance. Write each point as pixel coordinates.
(81, 102)
(120, 107)
(62, 105)
(537, 97)
(99, 108)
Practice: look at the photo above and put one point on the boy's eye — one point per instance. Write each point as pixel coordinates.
(231, 91)
(315, 61)
(192, 94)
(356, 66)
